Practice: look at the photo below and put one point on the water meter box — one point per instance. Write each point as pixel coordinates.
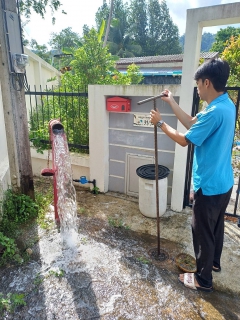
(118, 104)
(147, 189)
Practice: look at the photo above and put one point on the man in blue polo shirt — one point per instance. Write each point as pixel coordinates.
(212, 132)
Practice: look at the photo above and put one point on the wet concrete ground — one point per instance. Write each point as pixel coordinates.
(110, 274)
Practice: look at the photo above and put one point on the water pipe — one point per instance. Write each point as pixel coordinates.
(83, 180)
(55, 128)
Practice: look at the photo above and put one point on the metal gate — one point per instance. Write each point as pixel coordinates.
(234, 93)
(70, 107)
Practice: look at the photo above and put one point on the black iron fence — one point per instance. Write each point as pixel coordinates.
(70, 107)
(234, 93)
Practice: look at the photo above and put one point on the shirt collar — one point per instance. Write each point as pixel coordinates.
(220, 98)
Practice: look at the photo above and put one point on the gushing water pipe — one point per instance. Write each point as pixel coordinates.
(55, 128)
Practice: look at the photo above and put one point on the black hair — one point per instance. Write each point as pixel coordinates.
(215, 70)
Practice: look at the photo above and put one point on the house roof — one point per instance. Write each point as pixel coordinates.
(161, 59)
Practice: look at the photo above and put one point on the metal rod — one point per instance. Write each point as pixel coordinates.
(237, 196)
(156, 178)
(156, 168)
(152, 98)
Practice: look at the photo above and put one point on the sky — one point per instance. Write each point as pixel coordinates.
(80, 12)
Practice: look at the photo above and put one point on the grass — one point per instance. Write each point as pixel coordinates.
(117, 223)
(10, 301)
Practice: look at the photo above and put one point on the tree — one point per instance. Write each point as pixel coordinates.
(93, 64)
(108, 23)
(65, 43)
(222, 36)
(138, 23)
(65, 39)
(39, 6)
(41, 50)
(119, 40)
(102, 14)
(163, 34)
(207, 41)
(206, 44)
(232, 55)
(143, 28)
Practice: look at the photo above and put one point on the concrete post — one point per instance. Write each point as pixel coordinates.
(15, 116)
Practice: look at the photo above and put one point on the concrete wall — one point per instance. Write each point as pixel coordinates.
(39, 72)
(112, 136)
(130, 145)
(80, 164)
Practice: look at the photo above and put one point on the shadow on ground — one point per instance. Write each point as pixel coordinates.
(110, 274)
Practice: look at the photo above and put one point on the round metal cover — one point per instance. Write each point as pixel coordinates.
(147, 171)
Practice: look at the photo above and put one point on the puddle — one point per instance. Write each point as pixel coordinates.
(108, 275)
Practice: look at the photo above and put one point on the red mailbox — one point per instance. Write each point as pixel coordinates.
(118, 104)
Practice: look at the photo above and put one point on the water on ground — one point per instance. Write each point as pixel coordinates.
(108, 274)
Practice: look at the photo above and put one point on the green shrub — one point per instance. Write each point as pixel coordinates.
(16, 209)
(10, 301)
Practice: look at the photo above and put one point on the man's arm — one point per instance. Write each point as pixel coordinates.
(175, 135)
(168, 130)
(182, 116)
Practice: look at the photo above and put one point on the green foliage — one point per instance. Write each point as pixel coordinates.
(119, 40)
(65, 39)
(143, 28)
(206, 44)
(39, 6)
(207, 41)
(58, 274)
(232, 55)
(38, 280)
(43, 200)
(143, 260)
(138, 23)
(117, 223)
(10, 301)
(64, 43)
(73, 112)
(163, 34)
(222, 36)
(8, 248)
(40, 50)
(92, 64)
(16, 209)
(95, 190)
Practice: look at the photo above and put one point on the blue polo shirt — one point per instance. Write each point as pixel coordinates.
(212, 135)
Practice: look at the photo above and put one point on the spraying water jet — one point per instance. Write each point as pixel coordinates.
(65, 206)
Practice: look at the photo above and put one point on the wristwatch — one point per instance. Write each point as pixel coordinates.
(160, 123)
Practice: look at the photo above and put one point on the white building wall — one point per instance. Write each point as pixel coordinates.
(39, 72)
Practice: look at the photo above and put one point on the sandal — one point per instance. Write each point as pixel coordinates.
(189, 282)
(216, 269)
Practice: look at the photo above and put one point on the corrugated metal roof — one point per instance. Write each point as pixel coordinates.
(161, 59)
